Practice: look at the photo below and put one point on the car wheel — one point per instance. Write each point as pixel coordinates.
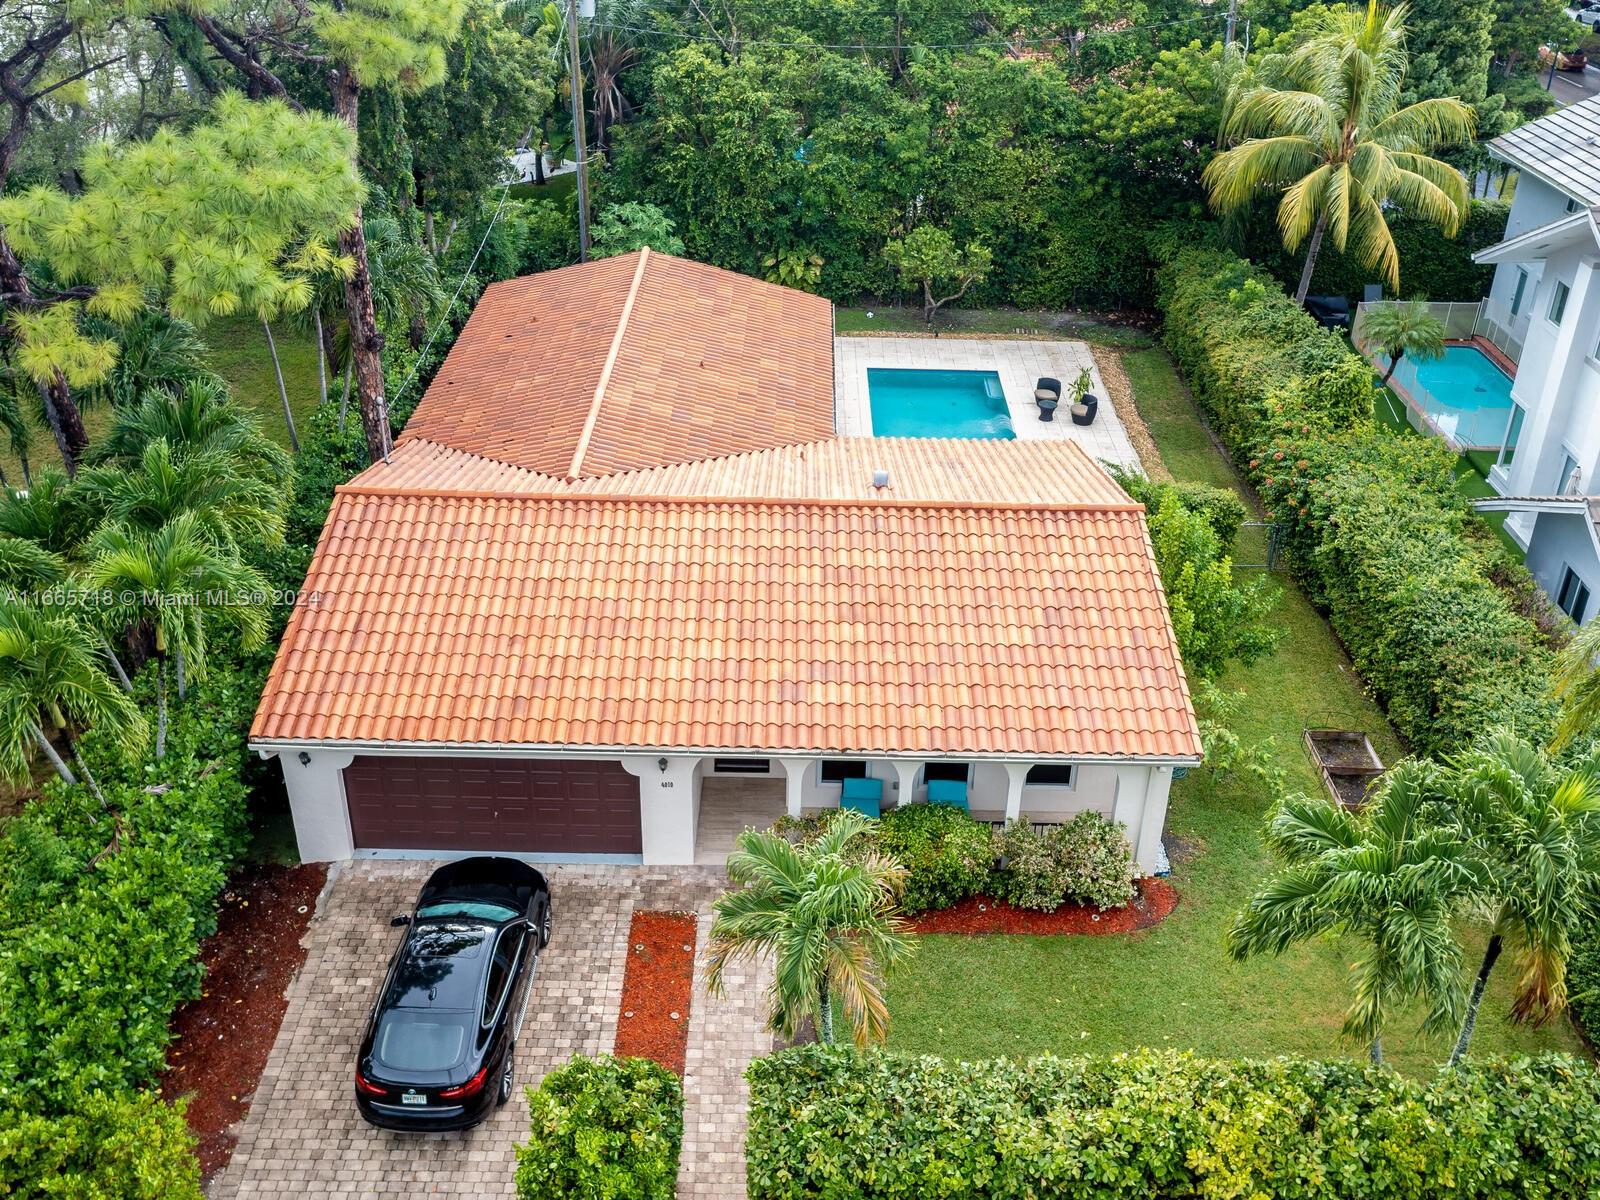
(507, 1077)
(545, 927)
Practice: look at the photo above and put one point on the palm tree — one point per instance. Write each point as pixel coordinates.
(1538, 828)
(231, 507)
(827, 914)
(49, 673)
(53, 512)
(1392, 876)
(199, 418)
(1577, 686)
(1321, 124)
(1404, 327)
(179, 580)
(154, 350)
(283, 392)
(613, 47)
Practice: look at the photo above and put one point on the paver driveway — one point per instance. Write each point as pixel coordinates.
(303, 1138)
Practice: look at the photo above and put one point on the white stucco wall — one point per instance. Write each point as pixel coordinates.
(1134, 795)
(1563, 540)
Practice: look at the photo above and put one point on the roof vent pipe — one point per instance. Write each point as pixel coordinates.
(880, 478)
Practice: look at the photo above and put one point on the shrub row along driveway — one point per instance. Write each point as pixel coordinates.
(303, 1137)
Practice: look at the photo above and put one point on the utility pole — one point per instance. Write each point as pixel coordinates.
(1233, 17)
(580, 137)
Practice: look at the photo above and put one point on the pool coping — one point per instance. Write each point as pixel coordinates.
(1018, 362)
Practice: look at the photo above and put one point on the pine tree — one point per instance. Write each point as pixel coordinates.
(360, 43)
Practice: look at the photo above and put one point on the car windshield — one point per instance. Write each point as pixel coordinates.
(479, 910)
(410, 1041)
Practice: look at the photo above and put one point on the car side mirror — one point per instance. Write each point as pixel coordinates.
(402, 919)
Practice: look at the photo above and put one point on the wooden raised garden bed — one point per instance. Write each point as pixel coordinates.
(1348, 763)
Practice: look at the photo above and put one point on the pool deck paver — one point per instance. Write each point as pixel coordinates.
(1018, 363)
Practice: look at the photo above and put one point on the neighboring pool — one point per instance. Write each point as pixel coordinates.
(1465, 397)
(965, 404)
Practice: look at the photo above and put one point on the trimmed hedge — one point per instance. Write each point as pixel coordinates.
(1376, 530)
(1088, 859)
(605, 1128)
(106, 1148)
(101, 912)
(836, 1122)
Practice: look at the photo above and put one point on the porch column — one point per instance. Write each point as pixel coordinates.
(794, 782)
(317, 802)
(1016, 776)
(905, 774)
(668, 810)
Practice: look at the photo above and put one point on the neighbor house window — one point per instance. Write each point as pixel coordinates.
(1572, 597)
(956, 772)
(1558, 302)
(1508, 449)
(1566, 484)
(837, 770)
(1051, 775)
(742, 766)
(1516, 296)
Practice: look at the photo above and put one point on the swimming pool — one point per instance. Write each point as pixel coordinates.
(1463, 396)
(965, 404)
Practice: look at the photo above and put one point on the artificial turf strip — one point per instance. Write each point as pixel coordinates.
(1174, 985)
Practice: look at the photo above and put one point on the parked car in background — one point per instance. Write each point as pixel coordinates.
(1566, 60)
(439, 1048)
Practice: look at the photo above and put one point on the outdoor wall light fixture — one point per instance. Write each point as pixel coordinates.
(305, 759)
(661, 764)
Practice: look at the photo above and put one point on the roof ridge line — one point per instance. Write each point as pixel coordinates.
(605, 371)
(427, 493)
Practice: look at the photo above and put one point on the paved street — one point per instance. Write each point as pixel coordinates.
(303, 1137)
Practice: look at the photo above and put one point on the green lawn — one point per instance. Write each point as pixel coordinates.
(552, 189)
(897, 318)
(1173, 986)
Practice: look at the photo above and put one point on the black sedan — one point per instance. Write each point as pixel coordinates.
(439, 1048)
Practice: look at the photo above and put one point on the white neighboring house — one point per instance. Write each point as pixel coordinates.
(1543, 312)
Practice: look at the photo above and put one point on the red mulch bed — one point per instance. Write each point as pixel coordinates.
(1153, 902)
(221, 1041)
(654, 1019)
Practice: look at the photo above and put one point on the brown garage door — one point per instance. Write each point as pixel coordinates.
(528, 806)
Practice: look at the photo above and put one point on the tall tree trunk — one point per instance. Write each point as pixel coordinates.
(27, 470)
(283, 392)
(1375, 1051)
(161, 708)
(83, 768)
(183, 682)
(50, 753)
(825, 1013)
(322, 360)
(65, 421)
(1490, 955)
(1311, 259)
(116, 666)
(366, 343)
(1393, 363)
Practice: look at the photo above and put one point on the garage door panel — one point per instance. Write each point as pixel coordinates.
(527, 806)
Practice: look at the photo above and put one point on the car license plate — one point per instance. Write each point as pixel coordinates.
(413, 1098)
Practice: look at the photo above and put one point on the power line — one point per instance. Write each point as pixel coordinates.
(989, 44)
(444, 316)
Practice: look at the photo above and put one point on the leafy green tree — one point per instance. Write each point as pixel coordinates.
(1391, 876)
(362, 43)
(230, 216)
(52, 513)
(200, 418)
(229, 504)
(497, 86)
(153, 351)
(1522, 26)
(1401, 328)
(180, 583)
(928, 259)
(50, 675)
(1322, 125)
(1451, 44)
(827, 913)
(794, 267)
(623, 228)
(1537, 826)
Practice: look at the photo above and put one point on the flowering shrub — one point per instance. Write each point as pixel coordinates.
(1088, 859)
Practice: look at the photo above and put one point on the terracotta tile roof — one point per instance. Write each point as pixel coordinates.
(635, 361)
(971, 469)
(832, 626)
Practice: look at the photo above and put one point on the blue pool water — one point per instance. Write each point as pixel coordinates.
(937, 404)
(1465, 396)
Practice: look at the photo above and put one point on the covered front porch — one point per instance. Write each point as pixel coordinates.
(733, 794)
